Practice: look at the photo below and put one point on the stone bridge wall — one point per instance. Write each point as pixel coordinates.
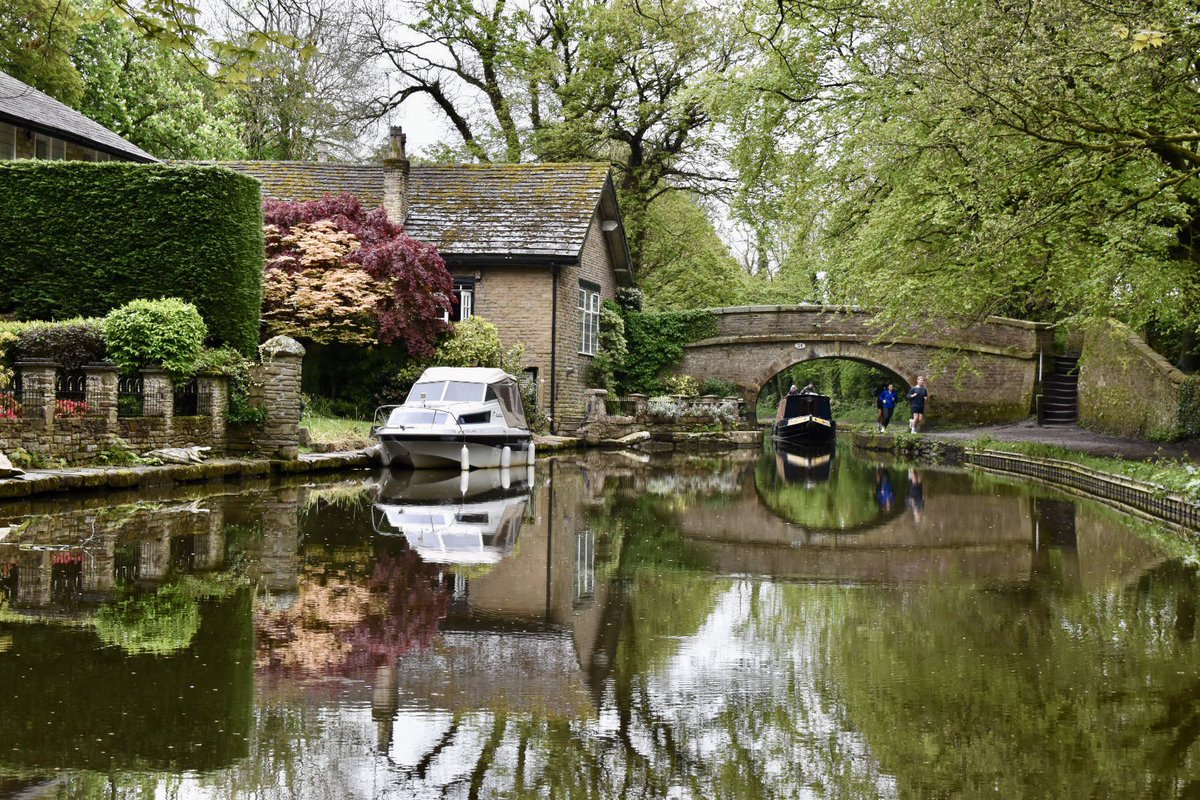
(985, 372)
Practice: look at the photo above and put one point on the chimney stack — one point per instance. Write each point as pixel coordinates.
(322, 152)
(395, 176)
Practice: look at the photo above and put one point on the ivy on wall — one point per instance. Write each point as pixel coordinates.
(1189, 407)
(655, 341)
(80, 238)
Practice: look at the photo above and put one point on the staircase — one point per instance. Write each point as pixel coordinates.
(1060, 392)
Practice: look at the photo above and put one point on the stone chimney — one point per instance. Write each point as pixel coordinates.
(322, 152)
(395, 177)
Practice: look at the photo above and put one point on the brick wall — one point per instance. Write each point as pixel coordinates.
(519, 301)
(595, 267)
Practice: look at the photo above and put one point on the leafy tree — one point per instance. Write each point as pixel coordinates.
(36, 37)
(320, 245)
(684, 262)
(1027, 159)
(151, 95)
(564, 81)
(313, 82)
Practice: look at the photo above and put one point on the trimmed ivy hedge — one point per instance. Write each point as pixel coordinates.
(655, 341)
(79, 239)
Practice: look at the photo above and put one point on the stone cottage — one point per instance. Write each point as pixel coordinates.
(35, 125)
(533, 248)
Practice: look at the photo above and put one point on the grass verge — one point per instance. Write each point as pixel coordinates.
(335, 432)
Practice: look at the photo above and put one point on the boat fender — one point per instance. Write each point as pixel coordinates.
(464, 480)
(464, 458)
(529, 476)
(529, 460)
(506, 458)
(505, 476)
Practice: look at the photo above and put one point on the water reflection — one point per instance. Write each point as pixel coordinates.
(454, 517)
(687, 628)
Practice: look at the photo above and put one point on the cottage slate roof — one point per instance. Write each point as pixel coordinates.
(23, 105)
(540, 210)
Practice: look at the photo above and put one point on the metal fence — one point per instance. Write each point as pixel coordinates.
(187, 399)
(70, 394)
(19, 400)
(131, 397)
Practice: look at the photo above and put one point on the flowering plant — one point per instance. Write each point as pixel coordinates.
(70, 408)
(10, 407)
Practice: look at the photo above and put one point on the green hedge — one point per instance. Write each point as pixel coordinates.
(79, 239)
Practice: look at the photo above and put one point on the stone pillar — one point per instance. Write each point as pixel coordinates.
(279, 564)
(639, 406)
(210, 545)
(395, 177)
(278, 377)
(37, 389)
(595, 405)
(102, 393)
(33, 577)
(159, 392)
(214, 390)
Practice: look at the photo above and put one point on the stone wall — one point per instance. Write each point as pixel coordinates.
(1128, 389)
(53, 429)
(44, 429)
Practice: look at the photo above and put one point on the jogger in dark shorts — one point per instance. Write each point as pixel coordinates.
(885, 401)
(917, 396)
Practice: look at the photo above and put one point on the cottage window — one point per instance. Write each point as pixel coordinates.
(589, 318)
(464, 296)
(49, 148)
(8, 142)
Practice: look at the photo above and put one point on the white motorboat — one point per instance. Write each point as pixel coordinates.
(454, 517)
(465, 417)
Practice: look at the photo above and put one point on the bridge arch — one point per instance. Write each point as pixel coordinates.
(982, 372)
(813, 351)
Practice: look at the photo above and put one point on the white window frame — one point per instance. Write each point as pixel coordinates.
(589, 319)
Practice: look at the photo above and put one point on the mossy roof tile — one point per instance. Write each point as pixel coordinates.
(464, 209)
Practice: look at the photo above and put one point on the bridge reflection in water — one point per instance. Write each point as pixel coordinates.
(602, 624)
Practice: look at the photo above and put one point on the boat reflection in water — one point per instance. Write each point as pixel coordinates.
(803, 464)
(454, 517)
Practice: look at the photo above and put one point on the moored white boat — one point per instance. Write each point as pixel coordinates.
(465, 417)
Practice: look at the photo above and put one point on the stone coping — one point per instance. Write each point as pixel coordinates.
(1152, 357)
(772, 338)
(36, 482)
(817, 308)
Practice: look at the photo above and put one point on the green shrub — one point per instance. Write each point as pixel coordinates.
(167, 333)
(720, 388)
(79, 239)
(1189, 407)
(69, 344)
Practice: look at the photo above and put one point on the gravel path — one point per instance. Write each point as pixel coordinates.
(1076, 438)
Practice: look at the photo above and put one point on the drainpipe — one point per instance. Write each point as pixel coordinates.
(554, 348)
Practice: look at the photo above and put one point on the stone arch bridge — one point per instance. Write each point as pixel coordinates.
(984, 372)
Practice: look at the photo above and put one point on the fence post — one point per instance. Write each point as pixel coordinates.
(102, 393)
(37, 384)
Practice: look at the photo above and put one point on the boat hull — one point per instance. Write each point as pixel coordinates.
(805, 431)
(443, 452)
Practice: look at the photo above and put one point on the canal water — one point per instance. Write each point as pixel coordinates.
(759, 625)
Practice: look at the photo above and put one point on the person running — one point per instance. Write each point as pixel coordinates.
(917, 397)
(886, 402)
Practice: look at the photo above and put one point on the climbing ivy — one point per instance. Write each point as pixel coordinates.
(1189, 407)
(655, 341)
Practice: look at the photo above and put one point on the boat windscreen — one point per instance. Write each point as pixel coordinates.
(432, 392)
(508, 391)
(461, 391)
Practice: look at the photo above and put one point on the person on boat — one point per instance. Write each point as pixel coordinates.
(809, 389)
(917, 397)
(783, 402)
(886, 402)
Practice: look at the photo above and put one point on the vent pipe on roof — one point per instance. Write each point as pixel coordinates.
(395, 176)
